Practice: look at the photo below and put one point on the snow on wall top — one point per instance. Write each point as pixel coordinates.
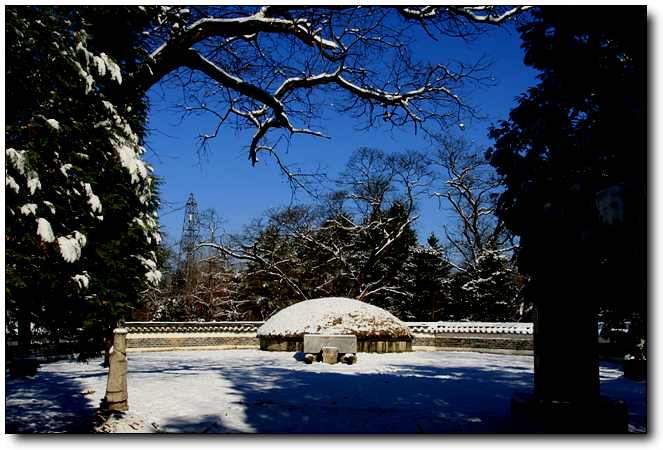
(334, 315)
(473, 327)
(192, 327)
(416, 327)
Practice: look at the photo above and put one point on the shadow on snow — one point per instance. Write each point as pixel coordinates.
(303, 399)
(53, 401)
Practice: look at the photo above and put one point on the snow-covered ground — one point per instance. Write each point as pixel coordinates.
(250, 391)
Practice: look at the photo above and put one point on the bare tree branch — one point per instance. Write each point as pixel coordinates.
(275, 67)
(470, 188)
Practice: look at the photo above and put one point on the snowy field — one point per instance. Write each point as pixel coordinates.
(250, 391)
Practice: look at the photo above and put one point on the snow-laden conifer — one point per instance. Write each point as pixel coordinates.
(75, 181)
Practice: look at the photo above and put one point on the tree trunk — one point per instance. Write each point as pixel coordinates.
(24, 330)
(109, 346)
(567, 397)
(24, 363)
(565, 342)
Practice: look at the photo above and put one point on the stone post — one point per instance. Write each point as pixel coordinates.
(329, 355)
(116, 389)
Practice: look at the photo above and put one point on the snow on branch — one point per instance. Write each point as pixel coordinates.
(194, 60)
(71, 246)
(162, 58)
(250, 253)
(487, 14)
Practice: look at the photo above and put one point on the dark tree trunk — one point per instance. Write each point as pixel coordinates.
(24, 327)
(24, 363)
(567, 390)
(565, 342)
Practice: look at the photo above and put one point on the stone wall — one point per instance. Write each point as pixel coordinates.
(163, 342)
(486, 337)
(507, 338)
(165, 336)
(506, 344)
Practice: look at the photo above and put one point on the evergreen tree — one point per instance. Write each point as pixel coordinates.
(389, 285)
(574, 155)
(489, 290)
(81, 234)
(424, 277)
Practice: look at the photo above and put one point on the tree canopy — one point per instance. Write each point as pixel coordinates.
(574, 154)
(574, 151)
(276, 70)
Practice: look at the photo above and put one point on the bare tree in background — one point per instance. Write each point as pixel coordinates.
(201, 291)
(489, 282)
(370, 186)
(334, 249)
(269, 246)
(469, 191)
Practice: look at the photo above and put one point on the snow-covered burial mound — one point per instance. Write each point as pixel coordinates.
(376, 329)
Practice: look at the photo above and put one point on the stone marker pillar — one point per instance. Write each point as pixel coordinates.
(330, 355)
(117, 395)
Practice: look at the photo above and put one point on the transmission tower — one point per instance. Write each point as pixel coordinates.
(190, 233)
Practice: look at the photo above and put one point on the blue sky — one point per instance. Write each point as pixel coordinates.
(239, 192)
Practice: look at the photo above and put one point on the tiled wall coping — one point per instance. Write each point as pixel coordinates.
(416, 327)
(192, 327)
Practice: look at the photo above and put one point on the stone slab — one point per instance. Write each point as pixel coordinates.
(313, 343)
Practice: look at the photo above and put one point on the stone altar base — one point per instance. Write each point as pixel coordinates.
(603, 416)
(314, 343)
